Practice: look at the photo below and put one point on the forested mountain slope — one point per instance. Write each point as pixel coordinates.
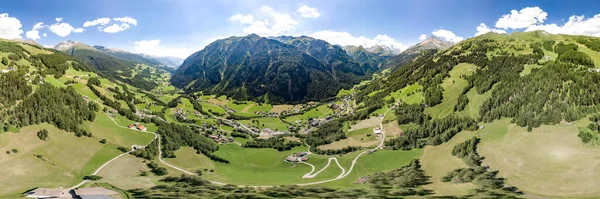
(268, 70)
(534, 77)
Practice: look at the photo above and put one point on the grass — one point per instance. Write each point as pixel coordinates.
(403, 94)
(125, 171)
(453, 86)
(437, 161)
(267, 122)
(64, 157)
(104, 128)
(54, 82)
(261, 107)
(208, 106)
(258, 166)
(188, 159)
(319, 112)
(528, 68)
(361, 137)
(593, 54)
(104, 155)
(549, 161)
(475, 101)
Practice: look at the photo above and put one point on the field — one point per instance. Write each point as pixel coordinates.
(125, 171)
(410, 94)
(453, 86)
(355, 138)
(368, 123)
(437, 161)
(104, 128)
(319, 112)
(64, 159)
(529, 160)
(187, 159)
(475, 101)
(267, 122)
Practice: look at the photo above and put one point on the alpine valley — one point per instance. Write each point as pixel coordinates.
(497, 115)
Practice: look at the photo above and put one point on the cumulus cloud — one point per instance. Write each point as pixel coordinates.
(522, 19)
(345, 38)
(128, 20)
(576, 25)
(423, 37)
(45, 34)
(100, 21)
(153, 47)
(34, 33)
(63, 29)
(10, 27)
(274, 23)
(244, 19)
(115, 28)
(447, 35)
(482, 29)
(306, 11)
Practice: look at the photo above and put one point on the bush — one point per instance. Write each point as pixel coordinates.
(43, 134)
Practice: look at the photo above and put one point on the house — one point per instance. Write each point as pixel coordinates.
(214, 137)
(48, 193)
(131, 126)
(314, 123)
(141, 128)
(377, 130)
(304, 159)
(291, 159)
(301, 154)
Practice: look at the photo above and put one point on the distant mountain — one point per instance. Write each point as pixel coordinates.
(431, 43)
(112, 63)
(277, 70)
(428, 44)
(171, 62)
(372, 56)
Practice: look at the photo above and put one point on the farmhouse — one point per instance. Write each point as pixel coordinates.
(141, 128)
(377, 131)
(131, 126)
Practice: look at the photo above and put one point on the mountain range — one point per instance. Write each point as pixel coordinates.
(284, 69)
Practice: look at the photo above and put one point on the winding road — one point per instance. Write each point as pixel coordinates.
(310, 174)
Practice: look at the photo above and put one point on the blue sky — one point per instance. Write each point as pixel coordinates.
(179, 28)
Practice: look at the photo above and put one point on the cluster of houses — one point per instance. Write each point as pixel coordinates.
(137, 126)
(220, 138)
(378, 132)
(297, 157)
(267, 132)
(266, 114)
(83, 193)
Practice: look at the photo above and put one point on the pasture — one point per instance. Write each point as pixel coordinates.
(549, 161)
(104, 128)
(453, 86)
(59, 161)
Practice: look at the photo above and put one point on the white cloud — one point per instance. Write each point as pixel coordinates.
(34, 33)
(153, 47)
(128, 20)
(63, 29)
(116, 28)
(274, 23)
(423, 37)
(244, 19)
(345, 38)
(577, 25)
(10, 27)
(482, 29)
(447, 35)
(100, 21)
(45, 34)
(522, 19)
(308, 12)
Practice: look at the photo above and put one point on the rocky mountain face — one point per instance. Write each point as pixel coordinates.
(277, 70)
(431, 43)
